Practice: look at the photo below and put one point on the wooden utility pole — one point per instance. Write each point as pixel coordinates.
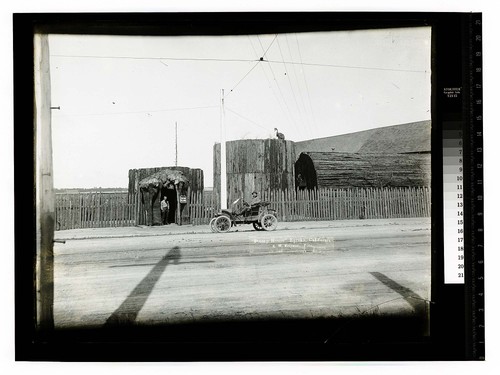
(223, 176)
(45, 202)
(176, 143)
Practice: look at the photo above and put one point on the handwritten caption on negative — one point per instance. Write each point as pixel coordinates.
(299, 243)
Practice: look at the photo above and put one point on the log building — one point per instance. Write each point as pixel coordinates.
(342, 170)
(392, 156)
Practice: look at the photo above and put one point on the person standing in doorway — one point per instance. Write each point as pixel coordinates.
(301, 182)
(164, 211)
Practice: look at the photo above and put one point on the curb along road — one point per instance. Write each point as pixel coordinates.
(172, 229)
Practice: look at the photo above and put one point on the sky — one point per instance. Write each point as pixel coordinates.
(120, 97)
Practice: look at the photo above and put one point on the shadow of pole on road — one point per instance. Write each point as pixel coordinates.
(127, 312)
(418, 303)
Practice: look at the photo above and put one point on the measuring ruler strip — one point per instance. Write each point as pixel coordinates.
(453, 198)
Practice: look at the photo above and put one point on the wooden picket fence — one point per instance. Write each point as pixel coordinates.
(332, 204)
(95, 210)
(203, 206)
(103, 209)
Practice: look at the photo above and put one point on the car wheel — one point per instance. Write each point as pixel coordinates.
(222, 224)
(257, 226)
(212, 225)
(269, 222)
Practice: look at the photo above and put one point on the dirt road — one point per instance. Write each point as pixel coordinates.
(304, 270)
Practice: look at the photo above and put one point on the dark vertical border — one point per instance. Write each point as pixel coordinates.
(450, 320)
(473, 108)
(24, 182)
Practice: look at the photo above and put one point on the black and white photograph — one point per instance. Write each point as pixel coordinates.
(317, 206)
(208, 186)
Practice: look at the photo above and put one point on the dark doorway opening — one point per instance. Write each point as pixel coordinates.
(305, 173)
(171, 193)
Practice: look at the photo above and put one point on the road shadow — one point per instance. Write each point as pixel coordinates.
(418, 321)
(127, 312)
(418, 303)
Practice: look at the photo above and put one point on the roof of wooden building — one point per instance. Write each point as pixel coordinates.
(413, 137)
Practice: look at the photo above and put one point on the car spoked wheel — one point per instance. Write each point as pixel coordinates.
(269, 222)
(212, 225)
(257, 226)
(222, 224)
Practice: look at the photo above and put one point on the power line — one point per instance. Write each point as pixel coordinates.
(151, 58)
(279, 89)
(241, 60)
(290, 83)
(258, 61)
(230, 91)
(298, 84)
(260, 42)
(305, 81)
(269, 45)
(349, 66)
(269, 81)
(246, 118)
(138, 112)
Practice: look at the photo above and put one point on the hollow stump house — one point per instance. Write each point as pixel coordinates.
(178, 197)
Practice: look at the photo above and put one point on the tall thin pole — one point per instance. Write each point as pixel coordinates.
(45, 202)
(176, 143)
(223, 177)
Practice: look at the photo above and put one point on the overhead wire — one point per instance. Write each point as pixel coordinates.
(275, 37)
(273, 90)
(307, 123)
(243, 60)
(305, 81)
(246, 118)
(241, 80)
(136, 112)
(279, 89)
(283, 104)
(258, 61)
(352, 67)
(152, 58)
(291, 87)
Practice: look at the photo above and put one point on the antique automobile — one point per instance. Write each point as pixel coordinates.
(259, 215)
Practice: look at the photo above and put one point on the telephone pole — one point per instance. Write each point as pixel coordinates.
(223, 177)
(45, 196)
(176, 143)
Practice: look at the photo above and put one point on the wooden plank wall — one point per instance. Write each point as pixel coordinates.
(256, 164)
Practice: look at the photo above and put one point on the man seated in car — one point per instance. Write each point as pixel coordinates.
(255, 199)
(247, 208)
